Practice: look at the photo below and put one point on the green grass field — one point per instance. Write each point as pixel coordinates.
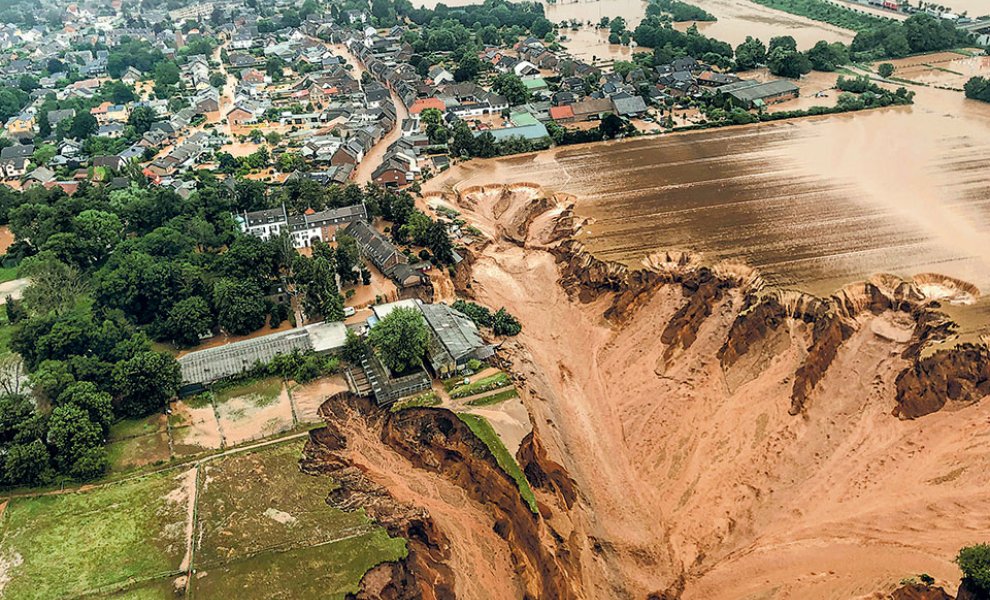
(496, 398)
(263, 523)
(257, 501)
(483, 429)
(327, 571)
(492, 382)
(66, 545)
(8, 274)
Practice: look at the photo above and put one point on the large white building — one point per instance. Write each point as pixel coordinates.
(304, 229)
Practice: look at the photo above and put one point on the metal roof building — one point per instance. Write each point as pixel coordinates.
(752, 93)
(454, 339)
(214, 364)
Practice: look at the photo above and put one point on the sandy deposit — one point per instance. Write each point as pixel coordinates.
(688, 485)
(252, 417)
(307, 397)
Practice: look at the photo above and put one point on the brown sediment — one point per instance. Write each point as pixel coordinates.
(368, 452)
(686, 484)
(955, 377)
(918, 591)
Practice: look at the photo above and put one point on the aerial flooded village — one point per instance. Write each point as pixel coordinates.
(557, 299)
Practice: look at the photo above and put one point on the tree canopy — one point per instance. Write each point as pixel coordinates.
(400, 339)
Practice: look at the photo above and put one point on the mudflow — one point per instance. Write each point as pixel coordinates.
(698, 433)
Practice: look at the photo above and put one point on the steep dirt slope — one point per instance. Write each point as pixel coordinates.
(715, 458)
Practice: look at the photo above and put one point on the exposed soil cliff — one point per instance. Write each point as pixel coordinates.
(436, 440)
(956, 376)
(434, 444)
(666, 394)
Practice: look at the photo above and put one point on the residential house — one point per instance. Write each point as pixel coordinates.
(14, 160)
(373, 246)
(305, 229)
(21, 126)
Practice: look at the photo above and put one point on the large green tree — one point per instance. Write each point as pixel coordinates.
(240, 306)
(511, 86)
(145, 383)
(400, 339)
(77, 442)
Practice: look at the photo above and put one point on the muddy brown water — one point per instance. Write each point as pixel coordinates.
(812, 203)
(736, 20)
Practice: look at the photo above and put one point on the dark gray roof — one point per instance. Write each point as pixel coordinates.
(372, 244)
(629, 106)
(455, 331)
(749, 91)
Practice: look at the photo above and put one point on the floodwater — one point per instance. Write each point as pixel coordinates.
(740, 18)
(736, 20)
(812, 203)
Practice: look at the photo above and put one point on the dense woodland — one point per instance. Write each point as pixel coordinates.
(114, 271)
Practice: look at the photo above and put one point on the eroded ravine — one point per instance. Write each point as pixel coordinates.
(697, 434)
(680, 473)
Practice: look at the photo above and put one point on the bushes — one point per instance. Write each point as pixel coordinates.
(299, 367)
(501, 322)
(978, 88)
(974, 561)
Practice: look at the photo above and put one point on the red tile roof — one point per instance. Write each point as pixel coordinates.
(561, 112)
(424, 103)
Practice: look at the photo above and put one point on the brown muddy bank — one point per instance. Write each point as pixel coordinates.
(723, 437)
(366, 451)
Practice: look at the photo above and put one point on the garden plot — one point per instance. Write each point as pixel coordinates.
(253, 411)
(308, 397)
(194, 427)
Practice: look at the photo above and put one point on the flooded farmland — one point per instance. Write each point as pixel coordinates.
(740, 18)
(813, 203)
(736, 20)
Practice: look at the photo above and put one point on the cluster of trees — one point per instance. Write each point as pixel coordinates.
(882, 39)
(978, 88)
(88, 365)
(463, 142)
(917, 33)
(669, 43)
(678, 11)
(833, 14)
(500, 322)
(469, 28)
(860, 92)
